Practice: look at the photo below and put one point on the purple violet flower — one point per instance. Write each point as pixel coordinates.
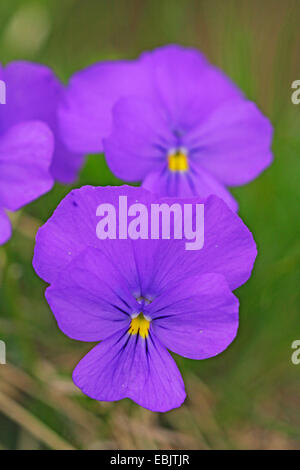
(141, 297)
(34, 93)
(26, 150)
(178, 124)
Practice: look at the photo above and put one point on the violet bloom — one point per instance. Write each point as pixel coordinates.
(194, 135)
(180, 126)
(34, 93)
(26, 150)
(141, 297)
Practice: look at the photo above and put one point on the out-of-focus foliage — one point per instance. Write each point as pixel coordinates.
(247, 397)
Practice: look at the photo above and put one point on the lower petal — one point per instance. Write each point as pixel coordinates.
(166, 183)
(128, 366)
(196, 182)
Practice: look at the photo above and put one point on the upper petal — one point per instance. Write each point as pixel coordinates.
(178, 79)
(229, 249)
(72, 228)
(86, 111)
(26, 152)
(186, 85)
(127, 366)
(151, 264)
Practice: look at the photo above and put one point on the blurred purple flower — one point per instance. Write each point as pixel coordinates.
(141, 297)
(178, 124)
(33, 93)
(194, 135)
(26, 150)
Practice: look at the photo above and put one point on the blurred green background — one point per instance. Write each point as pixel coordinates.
(248, 397)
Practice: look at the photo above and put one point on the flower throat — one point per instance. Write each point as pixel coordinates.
(178, 160)
(139, 325)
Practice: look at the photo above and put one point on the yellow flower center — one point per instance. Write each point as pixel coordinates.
(139, 325)
(178, 161)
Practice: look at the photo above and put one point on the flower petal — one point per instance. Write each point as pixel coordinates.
(198, 318)
(195, 107)
(72, 229)
(91, 298)
(127, 366)
(206, 185)
(5, 227)
(186, 84)
(229, 248)
(234, 143)
(33, 93)
(140, 139)
(26, 151)
(65, 164)
(196, 182)
(85, 113)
